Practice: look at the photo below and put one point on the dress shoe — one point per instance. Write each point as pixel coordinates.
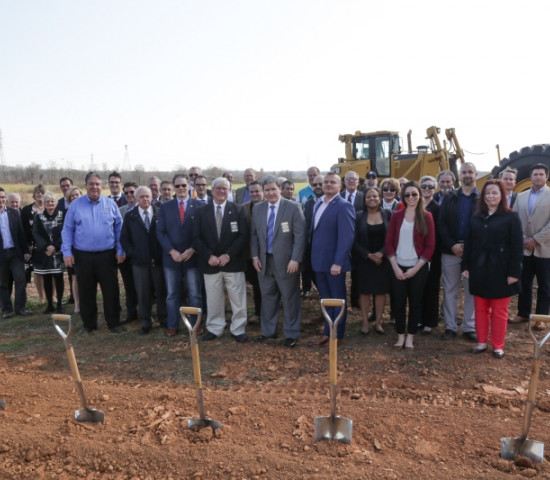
(7, 315)
(116, 329)
(24, 313)
(470, 336)
(518, 319)
(242, 338)
(128, 319)
(144, 330)
(209, 336)
(290, 342)
(448, 335)
(49, 308)
(171, 332)
(320, 341)
(84, 330)
(539, 326)
(69, 300)
(479, 348)
(498, 354)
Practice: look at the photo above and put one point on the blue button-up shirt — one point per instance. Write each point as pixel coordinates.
(91, 226)
(5, 229)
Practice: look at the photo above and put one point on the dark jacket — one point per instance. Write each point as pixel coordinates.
(17, 234)
(234, 239)
(493, 251)
(448, 219)
(359, 250)
(141, 246)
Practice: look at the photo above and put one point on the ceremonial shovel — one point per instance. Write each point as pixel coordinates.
(203, 421)
(511, 447)
(333, 427)
(85, 414)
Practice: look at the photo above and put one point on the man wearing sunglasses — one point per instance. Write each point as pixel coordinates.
(371, 180)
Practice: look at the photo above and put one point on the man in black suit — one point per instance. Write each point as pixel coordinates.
(143, 250)
(220, 237)
(508, 177)
(64, 184)
(14, 251)
(115, 186)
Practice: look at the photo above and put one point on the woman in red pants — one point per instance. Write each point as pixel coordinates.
(493, 252)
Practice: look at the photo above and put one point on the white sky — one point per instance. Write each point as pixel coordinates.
(267, 84)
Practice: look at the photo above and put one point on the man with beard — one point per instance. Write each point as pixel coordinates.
(454, 217)
(446, 180)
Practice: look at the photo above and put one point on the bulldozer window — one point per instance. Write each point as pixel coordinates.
(383, 157)
(362, 150)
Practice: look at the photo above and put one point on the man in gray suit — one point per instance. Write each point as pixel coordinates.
(277, 246)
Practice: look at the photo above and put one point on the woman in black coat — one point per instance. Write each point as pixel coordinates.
(493, 252)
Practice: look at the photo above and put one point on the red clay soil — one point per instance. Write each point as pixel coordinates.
(436, 413)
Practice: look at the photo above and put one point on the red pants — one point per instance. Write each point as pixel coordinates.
(493, 311)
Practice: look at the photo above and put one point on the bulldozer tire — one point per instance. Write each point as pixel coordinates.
(522, 161)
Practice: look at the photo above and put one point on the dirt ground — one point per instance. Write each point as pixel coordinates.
(435, 413)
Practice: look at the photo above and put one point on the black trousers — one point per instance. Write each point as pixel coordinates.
(12, 268)
(411, 290)
(130, 288)
(91, 269)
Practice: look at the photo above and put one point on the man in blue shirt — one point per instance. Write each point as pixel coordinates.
(307, 192)
(91, 244)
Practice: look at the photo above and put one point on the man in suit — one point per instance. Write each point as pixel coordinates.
(242, 194)
(355, 198)
(277, 244)
(143, 250)
(221, 235)
(14, 251)
(64, 184)
(125, 267)
(166, 193)
(115, 186)
(175, 234)
(332, 233)
(201, 189)
(307, 272)
(154, 185)
(533, 208)
(508, 178)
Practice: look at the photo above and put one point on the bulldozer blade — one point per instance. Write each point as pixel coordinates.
(200, 423)
(91, 415)
(511, 448)
(333, 428)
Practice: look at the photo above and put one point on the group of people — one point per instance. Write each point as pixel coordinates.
(179, 243)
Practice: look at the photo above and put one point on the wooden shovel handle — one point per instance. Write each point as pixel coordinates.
(333, 302)
(196, 365)
(190, 310)
(74, 366)
(540, 318)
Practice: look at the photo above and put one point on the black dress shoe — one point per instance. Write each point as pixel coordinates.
(290, 342)
(478, 349)
(144, 330)
(262, 338)
(209, 336)
(242, 338)
(85, 330)
(128, 319)
(24, 313)
(448, 335)
(117, 329)
(498, 355)
(470, 336)
(49, 308)
(7, 315)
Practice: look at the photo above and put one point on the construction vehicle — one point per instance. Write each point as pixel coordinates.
(382, 153)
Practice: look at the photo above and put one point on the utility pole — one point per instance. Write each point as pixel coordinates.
(126, 164)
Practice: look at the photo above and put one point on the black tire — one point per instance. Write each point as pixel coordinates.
(523, 160)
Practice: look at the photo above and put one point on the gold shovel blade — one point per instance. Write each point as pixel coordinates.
(511, 447)
(333, 428)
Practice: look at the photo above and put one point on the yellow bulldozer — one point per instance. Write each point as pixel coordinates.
(383, 153)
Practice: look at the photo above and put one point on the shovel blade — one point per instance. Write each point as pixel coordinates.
(333, 428)
(200, 423)
(511, 447)
(91, 415)
(3, 404)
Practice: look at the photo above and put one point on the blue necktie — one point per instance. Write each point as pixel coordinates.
(147, 221)
(270, 225)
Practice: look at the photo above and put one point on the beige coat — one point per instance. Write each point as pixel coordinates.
(536, 224)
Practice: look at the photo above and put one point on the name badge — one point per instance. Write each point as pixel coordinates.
(284, 227)
(234, 227)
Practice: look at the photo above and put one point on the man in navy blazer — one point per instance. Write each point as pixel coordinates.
(14, 251)
(175, 234)
(332, 233)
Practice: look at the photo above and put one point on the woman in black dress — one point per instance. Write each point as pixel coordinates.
(369, 259)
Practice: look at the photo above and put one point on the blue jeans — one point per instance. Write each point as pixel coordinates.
(333, 286)
(174, 278)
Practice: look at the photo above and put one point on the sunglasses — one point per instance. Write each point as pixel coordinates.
(371, 176)
(413, 194)
(317, 184)
(193, 174)
(388, 189)
(181, 185)
(130, 192)
(427, 187)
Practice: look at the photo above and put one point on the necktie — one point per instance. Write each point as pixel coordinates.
(270, 225)
(182, 212)
(349, 198)
(219, 220)
(146, 220)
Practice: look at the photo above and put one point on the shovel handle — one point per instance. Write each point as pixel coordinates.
(196, 365)
(540, 318)
(534, 380)
(333, 361)
(74, 366)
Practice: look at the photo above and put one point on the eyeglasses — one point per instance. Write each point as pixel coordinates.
(200, 184)
(352, 179)
(413, 194)
(317, 184)
(181, 185)
(114, 181)
(166, 189)
(193, 174)
(427, 187)
(388, 189)
(130, 192)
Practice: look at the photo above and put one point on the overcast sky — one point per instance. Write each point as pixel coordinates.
(265, 84)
